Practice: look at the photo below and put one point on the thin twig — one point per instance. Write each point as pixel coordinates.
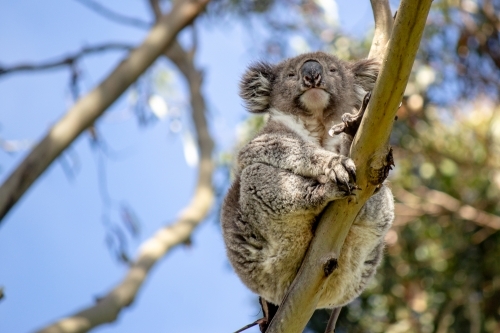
(155, 7)
(113, 16)
(332, 322)
(67, 60)
(444, 319)
(244, 328)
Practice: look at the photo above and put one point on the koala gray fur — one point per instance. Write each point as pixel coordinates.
(292, 169)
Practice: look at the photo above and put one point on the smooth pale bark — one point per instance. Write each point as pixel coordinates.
(369, 152)
(87, 109)
(383, 28)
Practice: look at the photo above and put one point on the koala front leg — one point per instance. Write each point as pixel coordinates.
(302, 158)
(279, 192)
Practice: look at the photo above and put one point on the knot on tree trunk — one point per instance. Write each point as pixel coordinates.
(380, 165)
(330, 265)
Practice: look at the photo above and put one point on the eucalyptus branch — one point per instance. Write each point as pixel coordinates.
(90, 107)
(108, 308)
(369, 152)
(67, 60)
(113, 16)
(433, 202)
(426, 201)
(155, 7)
(444, 323)
(383, 28)
(489, 11)
(185, 64)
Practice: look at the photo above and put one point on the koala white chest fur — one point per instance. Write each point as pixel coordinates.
(292, 169)
(310, 130)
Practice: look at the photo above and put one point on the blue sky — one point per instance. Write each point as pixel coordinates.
(53, 257)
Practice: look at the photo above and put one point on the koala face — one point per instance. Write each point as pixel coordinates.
(316, 83)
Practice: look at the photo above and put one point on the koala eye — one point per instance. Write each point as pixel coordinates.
(333, 70)
(291, 74)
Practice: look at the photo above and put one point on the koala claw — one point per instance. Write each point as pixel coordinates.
(350, 167)
(342, 171)
(336, 191)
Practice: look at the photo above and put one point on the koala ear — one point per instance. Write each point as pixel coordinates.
(255, 87)
(365, 74)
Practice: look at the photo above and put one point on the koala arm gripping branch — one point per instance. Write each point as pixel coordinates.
(278, 193)
(299, 157)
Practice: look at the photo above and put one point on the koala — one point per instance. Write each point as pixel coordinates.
(292, 169)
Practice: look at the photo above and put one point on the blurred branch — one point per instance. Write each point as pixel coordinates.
(426, 201)
(445, 317)
(108, 308)
(369, 152)
(489, 12)
(87, 109)
(473, 29)
(113, 16)
(155, 7)
(474, 311)
(68, 60)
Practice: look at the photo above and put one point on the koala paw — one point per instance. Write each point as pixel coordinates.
(342, 171)
(335, 191)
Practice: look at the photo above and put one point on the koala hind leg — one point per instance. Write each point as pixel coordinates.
(362, 250)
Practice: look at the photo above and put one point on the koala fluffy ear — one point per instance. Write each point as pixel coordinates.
(365, 74)
(255, 87)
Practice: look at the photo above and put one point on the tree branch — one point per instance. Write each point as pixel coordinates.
(489, 11)
(65, 60)
(432, 202)
(108, 308)
(383, 28)
(369, 152)
(90, 107)
(111, 15)
(444, 323)
(435, 202)
(155, 7)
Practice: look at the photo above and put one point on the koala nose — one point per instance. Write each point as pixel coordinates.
(311, 72)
